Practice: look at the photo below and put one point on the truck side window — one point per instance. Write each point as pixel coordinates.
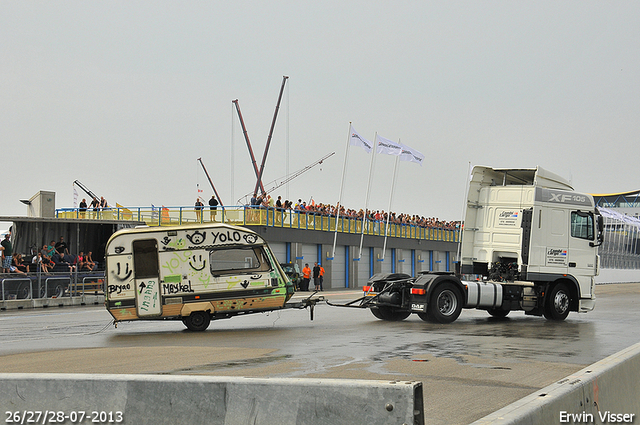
(233, 260)
(582, 225)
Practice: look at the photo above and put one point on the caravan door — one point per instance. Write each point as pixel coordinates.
(146, 273)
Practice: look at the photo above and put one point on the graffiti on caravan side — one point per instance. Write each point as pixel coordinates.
(195, 265)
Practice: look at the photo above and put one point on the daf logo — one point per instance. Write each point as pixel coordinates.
(558, 197)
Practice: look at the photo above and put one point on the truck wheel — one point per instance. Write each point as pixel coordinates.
(498, 312)
(556, 306)
(445, 303)
(389, 314)
(197, 321)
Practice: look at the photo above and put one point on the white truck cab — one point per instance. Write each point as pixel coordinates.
(529, 242)
(528, 225)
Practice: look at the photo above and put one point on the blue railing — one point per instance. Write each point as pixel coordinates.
(271, 217)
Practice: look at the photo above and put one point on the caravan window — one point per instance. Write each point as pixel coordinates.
(233, 260)
(582, 225)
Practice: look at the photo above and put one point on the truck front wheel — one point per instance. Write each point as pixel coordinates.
(445, 303)
(197, 321)
(556, 306)
(390, 314)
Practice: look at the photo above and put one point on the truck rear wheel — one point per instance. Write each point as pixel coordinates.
(197, 321)
(390, 314)
(445, 303)
(556, 306)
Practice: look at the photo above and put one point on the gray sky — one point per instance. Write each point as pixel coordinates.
(125, 96)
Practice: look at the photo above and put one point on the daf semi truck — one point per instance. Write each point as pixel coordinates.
(529, 242)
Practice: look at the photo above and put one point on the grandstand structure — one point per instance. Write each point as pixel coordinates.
(620, 251)
(351, 250)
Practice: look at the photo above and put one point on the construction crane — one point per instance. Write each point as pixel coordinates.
(210, 182)
(257, 171)
(246, 138)
(273, 124)
(85, 189)
(289, 177)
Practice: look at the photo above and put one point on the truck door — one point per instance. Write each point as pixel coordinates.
(146, 273)
(557, 234)
(582, 256)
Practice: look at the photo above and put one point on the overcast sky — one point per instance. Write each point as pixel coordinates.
(126, 96)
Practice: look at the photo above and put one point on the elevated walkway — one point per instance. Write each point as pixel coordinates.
(247, 216)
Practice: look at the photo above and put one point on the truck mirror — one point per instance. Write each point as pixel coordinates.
(600, 237)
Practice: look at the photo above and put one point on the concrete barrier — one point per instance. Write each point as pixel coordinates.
(52, 302)
(605, 392)
(157, 400)
(618, 276)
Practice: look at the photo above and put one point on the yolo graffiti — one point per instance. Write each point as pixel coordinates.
(118, 289)
(174, 288)
(174, 263)
(227, 236)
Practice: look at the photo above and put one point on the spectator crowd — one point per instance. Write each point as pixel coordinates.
(266, 201)
(54, 257)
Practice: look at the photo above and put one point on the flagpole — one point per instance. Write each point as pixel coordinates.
(366, 202)
(464, 209)
(393, 183)
(344, 169)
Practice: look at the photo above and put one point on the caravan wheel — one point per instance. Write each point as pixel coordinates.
(197, 321)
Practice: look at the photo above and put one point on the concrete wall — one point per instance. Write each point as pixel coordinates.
(611, 385)
(158, 400)
(618, 276)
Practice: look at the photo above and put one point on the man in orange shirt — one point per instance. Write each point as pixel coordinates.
(306, 278)
(321, 276)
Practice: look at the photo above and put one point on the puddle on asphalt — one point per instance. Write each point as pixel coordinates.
(212, 367)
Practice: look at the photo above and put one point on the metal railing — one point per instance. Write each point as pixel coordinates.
(271, 217)
(39, 285)
(16, 289)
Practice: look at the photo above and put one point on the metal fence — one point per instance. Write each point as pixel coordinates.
(40, 285)
(621, 246)
(271, 217)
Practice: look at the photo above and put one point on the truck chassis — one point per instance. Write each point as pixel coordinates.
(440, 297)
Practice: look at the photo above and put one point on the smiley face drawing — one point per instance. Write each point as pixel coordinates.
(250, 238)
(197, 263)
(233, 282)
(197, 238)
(123, 270)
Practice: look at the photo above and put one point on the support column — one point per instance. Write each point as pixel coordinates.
(354, 266)
(329, 278)
(296, 254)
(377, 264)
(401, 267)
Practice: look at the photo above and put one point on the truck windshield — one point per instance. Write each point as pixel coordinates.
(232, 260)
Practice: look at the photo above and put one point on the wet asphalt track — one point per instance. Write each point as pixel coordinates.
(469, 368)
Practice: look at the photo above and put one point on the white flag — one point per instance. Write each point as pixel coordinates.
(387, 147)
(355, 139)
(410, 154)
